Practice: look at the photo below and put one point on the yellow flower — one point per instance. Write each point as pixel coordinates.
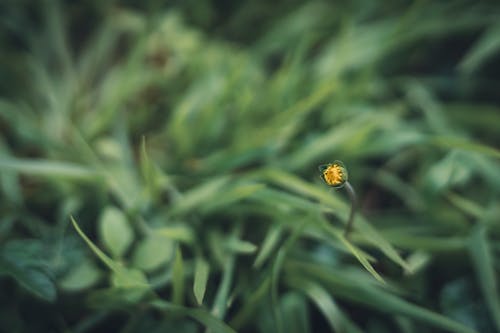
(334, 174)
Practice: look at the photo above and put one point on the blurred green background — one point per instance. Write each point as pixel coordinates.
(183, 139)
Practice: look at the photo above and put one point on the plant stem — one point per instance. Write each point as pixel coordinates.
(354, 204)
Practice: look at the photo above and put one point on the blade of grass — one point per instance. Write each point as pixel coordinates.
(484, 49)
(147, 168)
(372, 296)
(180, 232)
(254, 301)
(240, 246)
(464, 144)
(467, 206)
(268, 245)
(276, 271)
(199, 195)
(202, 316)
(483, 263)
(221, 299)
(123, 277)
(112, 265)
(232, 193)
(178, 278)
(41, 167)
(320, 297)
(361, 258)
(201, 271)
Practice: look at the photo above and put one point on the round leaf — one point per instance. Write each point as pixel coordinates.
(115, 231)
(82, 276)
(152, 252)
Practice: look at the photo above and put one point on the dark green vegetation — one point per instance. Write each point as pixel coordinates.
(185, 139)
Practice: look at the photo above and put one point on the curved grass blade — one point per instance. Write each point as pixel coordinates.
(337, 320)
(202, 316)
(362, 259)
(123, 277)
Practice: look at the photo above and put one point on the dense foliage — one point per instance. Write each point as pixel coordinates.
(158, 166)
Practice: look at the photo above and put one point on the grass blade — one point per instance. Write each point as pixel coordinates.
(40, 167)
(362, 259)
(482, 260)
(178, 278)
(344, 286)
(202, 316)
(337, 320)
(221, 299)
(268, 245)
(201, 271)
(123, 277)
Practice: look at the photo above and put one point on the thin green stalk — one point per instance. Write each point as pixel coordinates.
(335, 175)
(354, 205)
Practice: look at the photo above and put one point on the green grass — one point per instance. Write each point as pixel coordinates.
(158, 167)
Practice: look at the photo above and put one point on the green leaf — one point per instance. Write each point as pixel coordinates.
(344, 286)
(32, 279)
(449, 171)
(484, 265)
(428, 243)
(202, 316)
(211, 322)
(276, 272)
(82, 276)
(114, 266)
(115, 231)
(231, 194)
(295, 313)
(423, 98)
(201, 271)
(362, 259)
(200, 195)
(148, 169)
(484, 49)
(153, 252)
(116, 298)
(466, 205)
(255, 298)
(465, 144)
(417, 261)
(24, 262)
(129, 278)
(268, 245)
(109, 148)
(275, 275)
(240, 246)
(178, 278)
(405, 191)
(320, 297)
(122, 276)
(222, 296)
(337, 137)
(395, 305)
(375, 238)
(181, 232)
(47, 168)
(37, 282)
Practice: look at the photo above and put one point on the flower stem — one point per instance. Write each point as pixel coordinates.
(354, 204)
